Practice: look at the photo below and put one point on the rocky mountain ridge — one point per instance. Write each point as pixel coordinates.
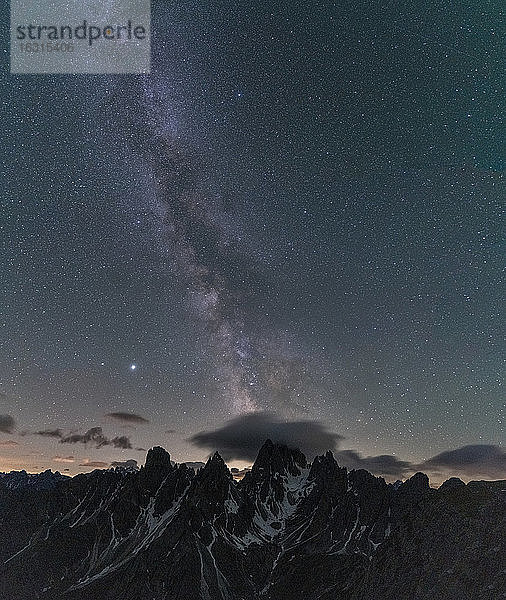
(40, 481)
(287, 530)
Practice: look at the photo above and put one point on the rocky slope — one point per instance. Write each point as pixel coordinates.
(288, 531)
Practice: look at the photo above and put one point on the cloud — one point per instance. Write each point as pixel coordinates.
(121, 442)
(7, 424)
(8, 443)
(64, 459)
(383, 464)
(93, 464)
(472, 460)
(242, 437)
(95, 436)
(131, 463)
(54, 433)
(127, 417)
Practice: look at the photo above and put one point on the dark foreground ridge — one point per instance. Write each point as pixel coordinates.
(288, 531)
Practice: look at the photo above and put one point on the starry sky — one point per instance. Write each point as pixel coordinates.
(291, 225)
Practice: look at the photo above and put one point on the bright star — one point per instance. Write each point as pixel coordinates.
(133, 367)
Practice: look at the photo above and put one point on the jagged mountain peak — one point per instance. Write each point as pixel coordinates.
(211, 486)
(326, 471)
(216, 466)
(157, 457)
(418, 483)
(216, 457)
(324, 462)
(214, 475)
(278, 458)
(156, 468)
(452, 483)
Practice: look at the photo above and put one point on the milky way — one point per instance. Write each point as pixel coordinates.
(221, 280)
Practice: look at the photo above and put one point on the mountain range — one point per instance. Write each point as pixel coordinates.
(289, 530)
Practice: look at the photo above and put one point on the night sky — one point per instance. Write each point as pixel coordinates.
(290, 228)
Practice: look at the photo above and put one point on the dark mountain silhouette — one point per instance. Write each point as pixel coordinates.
(38, 481)
(289, 530)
